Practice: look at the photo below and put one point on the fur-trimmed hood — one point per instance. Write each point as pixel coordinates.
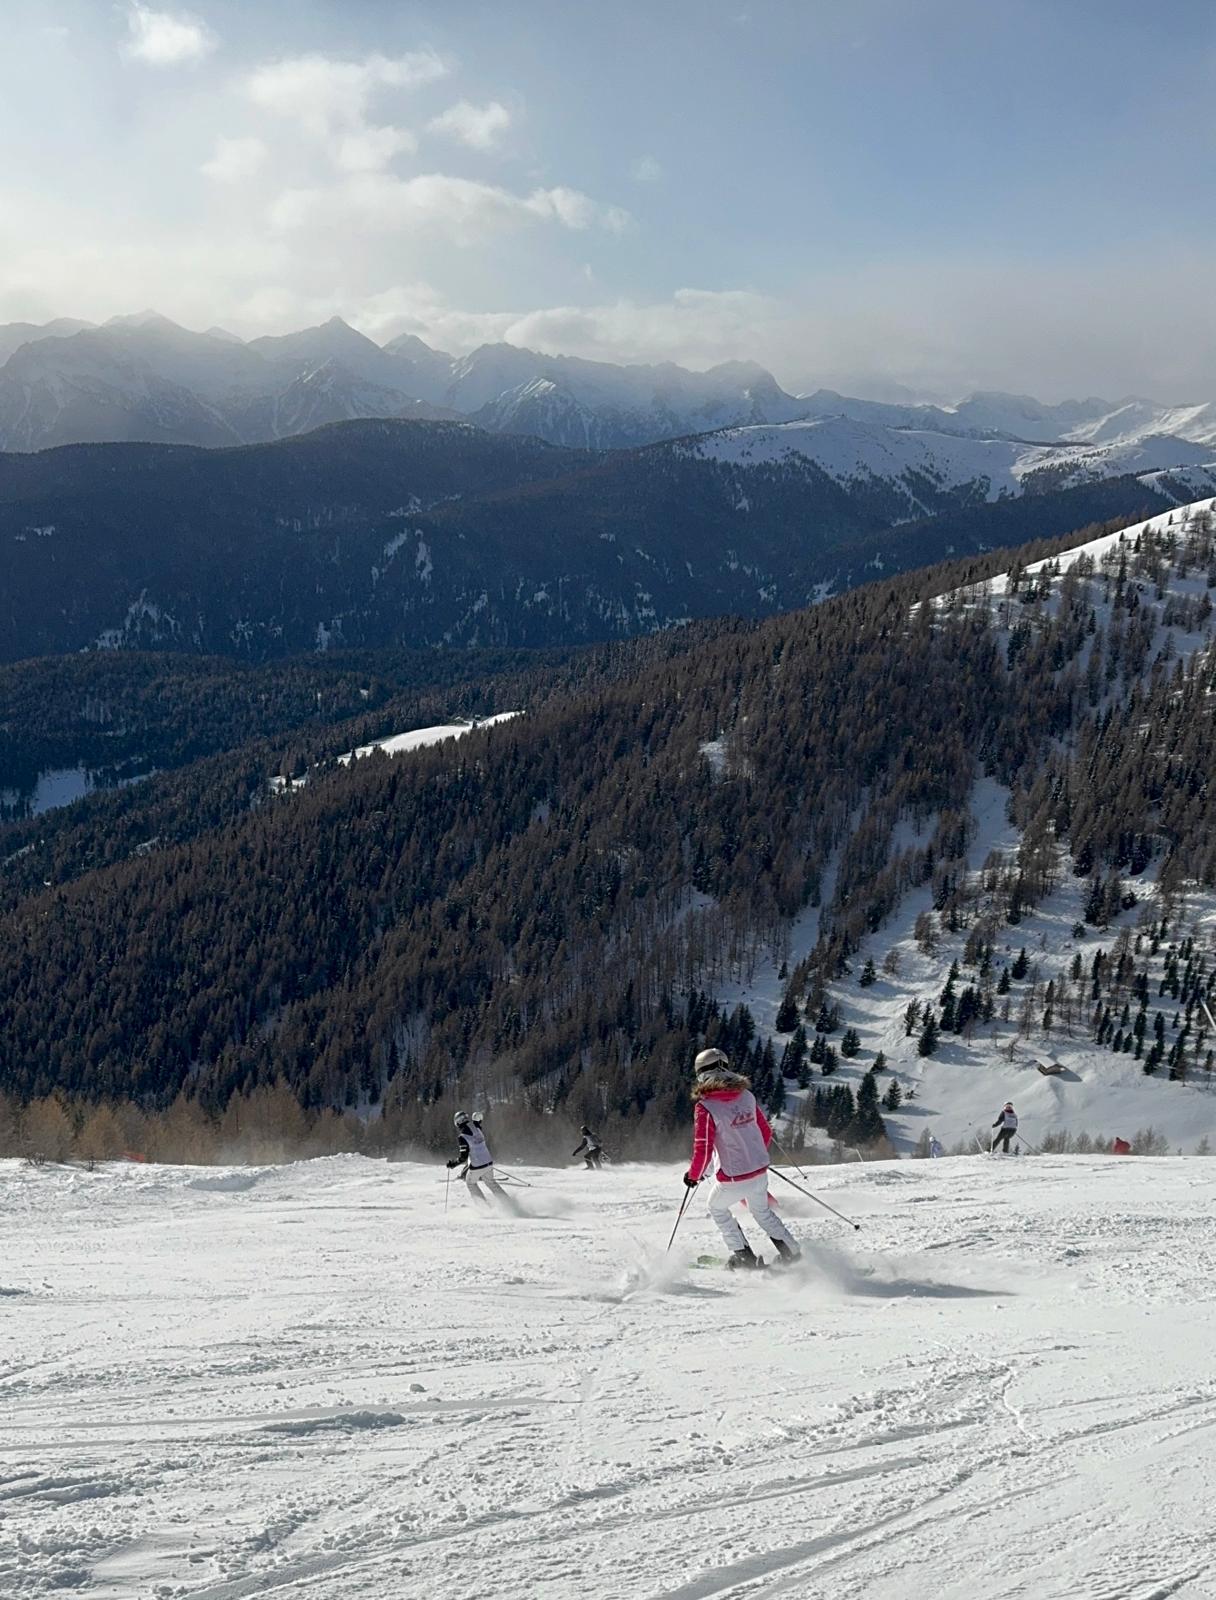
(717, 1080)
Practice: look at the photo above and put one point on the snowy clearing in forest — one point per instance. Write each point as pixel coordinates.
(418, 738)
(316, 1384)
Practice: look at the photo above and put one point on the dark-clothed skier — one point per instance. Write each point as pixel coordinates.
(1007, 1123)
(474, 1152)
(590, 1149)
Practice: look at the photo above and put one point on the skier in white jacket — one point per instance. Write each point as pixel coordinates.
(728, 1120)
(474, 1152)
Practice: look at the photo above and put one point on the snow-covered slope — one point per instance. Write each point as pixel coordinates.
(333, 1381)
(1023, 418)
(959, 1089)
(419, 738)
(852, 451)
(1183, 484)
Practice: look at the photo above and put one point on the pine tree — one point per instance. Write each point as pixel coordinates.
(850, 1044)
(894, 1097)
(868, 1126)
(1021, 965)
(787, 1014)
(868, 973)
(927, 1043)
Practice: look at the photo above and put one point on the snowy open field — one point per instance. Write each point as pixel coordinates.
(307, 1381)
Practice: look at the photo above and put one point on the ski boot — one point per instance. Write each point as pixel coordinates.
(785, 1254)
(743, 1258)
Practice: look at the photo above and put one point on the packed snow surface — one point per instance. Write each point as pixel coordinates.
(311, 1381)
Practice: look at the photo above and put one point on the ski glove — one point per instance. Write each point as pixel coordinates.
(454, 1163)
(690, 1183)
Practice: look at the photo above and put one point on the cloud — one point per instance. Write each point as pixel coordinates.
(235, 160)
(165, 38)
(323, 94)
(329, 101)
(646, 170)
(480, 127)
(697, 327)
(461, 208)
(371, 149)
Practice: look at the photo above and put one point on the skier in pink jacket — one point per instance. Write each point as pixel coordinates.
(727, 1119)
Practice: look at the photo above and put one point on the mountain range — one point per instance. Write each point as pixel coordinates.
(397, 532)
(144, 378)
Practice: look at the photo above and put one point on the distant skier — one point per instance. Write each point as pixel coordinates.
(1007, 1122)
(474, 1152)
(591, 1150)
(935, 1148)
(728, 1120)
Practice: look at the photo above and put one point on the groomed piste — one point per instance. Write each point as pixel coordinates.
(310, 1381)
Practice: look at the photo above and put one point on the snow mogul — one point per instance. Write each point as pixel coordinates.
(1007, 1124)
(591, 1150)
(726, 1119)
(474, 1152)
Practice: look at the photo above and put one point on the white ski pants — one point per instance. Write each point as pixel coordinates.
(722, 1196)
(476, 1176)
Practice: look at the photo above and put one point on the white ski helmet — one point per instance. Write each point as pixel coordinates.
(461, 1118)
(478, 1117)
(707, 1060)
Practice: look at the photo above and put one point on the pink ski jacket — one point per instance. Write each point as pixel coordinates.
(726, 1118)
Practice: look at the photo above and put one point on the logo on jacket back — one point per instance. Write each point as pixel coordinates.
(741, 1119)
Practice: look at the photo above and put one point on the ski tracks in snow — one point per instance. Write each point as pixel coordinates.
(1006, 1393)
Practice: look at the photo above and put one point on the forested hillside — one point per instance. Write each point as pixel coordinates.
(538, 912)
(394, 533)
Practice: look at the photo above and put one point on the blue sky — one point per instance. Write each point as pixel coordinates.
(926, 193)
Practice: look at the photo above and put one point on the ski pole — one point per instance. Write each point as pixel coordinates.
(447, 1186)
(777, 1172)
(503, 1174)
(784, 1152)
(688, 1193)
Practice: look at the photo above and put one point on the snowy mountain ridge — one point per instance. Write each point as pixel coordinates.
(848, 451)
(144, 377)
